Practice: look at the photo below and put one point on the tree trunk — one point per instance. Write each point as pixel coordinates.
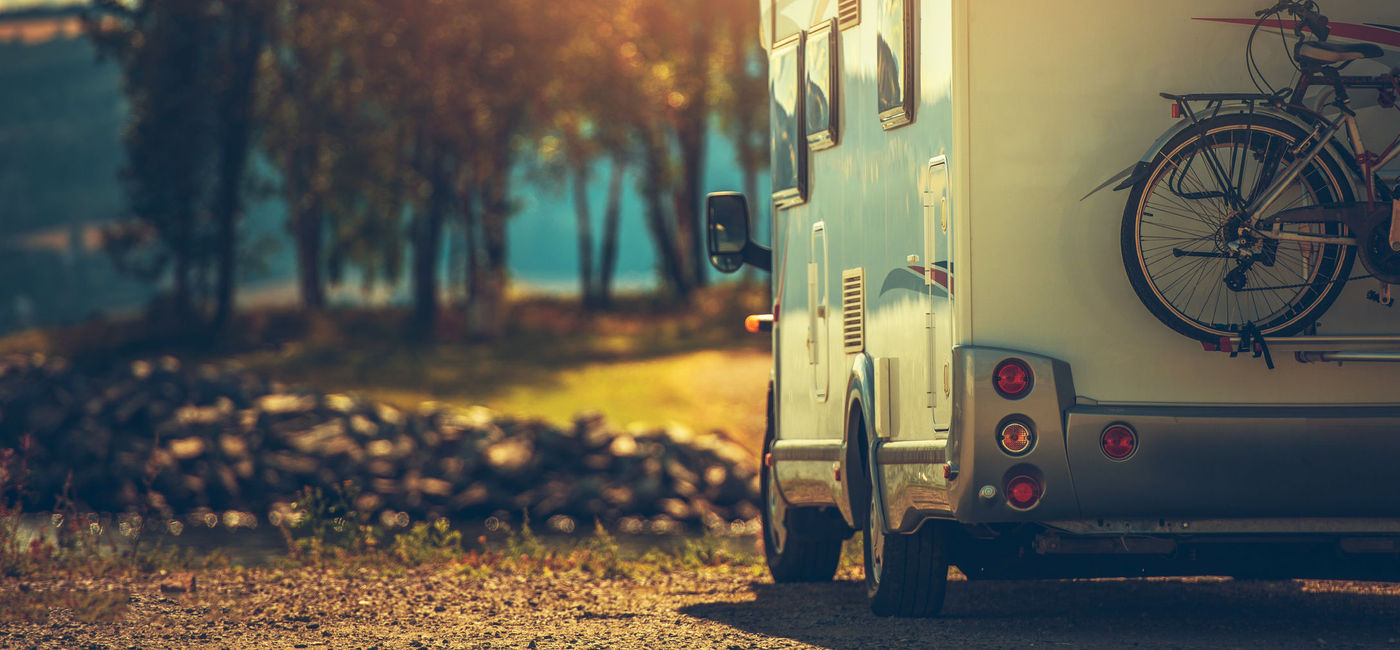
(487, 320)
(691, 136)
(181, 299)
(673, 274)
(426, 246)
(692, 124)
(243, 48)
(612, 217)
(587, 295)
(472, 220)
(308, 242)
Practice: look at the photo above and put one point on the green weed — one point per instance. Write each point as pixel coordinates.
(427, 543)
(334, 526)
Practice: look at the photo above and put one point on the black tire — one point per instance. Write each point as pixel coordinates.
(906, 575)
(800, 544)
(1181, 206)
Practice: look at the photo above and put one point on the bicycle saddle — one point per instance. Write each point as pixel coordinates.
(1325, 53)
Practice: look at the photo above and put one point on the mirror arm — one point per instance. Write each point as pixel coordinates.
(759, 257)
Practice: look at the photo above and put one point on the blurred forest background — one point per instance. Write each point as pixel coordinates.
(455, 200)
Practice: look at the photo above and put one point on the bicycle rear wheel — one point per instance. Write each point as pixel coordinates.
(1185, 253)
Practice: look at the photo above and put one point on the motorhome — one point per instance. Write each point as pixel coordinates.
(963, 371)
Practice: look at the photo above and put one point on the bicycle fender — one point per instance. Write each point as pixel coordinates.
(1130, 176)
(1129, 173)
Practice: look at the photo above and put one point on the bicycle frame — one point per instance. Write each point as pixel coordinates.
(1324, 134)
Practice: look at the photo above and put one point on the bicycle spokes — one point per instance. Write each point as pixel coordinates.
(1199, 255)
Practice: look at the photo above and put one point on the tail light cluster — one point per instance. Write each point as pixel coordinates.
(1023, 486)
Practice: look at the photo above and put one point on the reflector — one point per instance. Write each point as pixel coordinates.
(1119, 441)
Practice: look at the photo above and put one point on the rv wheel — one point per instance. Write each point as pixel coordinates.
(906, 575)
(800, 544)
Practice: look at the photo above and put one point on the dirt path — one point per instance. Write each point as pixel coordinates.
(718, 608)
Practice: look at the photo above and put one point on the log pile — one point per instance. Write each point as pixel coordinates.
(157, 435)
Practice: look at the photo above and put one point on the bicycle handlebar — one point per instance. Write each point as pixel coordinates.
(1306, 11)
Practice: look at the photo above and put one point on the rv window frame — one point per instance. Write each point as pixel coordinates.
(893, 116)
(790, 191)
(827, 34)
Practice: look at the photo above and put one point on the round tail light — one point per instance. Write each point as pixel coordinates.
(1013, 379)
(1118, 441)
(1023, 492)
(1016, 438)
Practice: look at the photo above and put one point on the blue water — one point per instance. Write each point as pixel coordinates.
(61, 115)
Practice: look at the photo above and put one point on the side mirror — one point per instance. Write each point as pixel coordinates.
(729, 243)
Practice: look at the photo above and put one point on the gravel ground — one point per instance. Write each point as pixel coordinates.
(713, 608)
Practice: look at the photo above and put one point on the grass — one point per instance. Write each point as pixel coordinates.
(646, 361)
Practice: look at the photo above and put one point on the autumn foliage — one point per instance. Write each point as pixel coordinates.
(389, 121)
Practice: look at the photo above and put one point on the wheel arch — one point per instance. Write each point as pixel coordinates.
(859, 473)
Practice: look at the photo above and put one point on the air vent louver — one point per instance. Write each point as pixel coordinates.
(848, 13)
(853, 310)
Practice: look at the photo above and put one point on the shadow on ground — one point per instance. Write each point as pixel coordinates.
(1177, 613)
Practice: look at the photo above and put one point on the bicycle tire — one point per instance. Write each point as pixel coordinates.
(1177, 232)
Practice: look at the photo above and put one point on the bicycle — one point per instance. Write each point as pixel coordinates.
(1246, 222)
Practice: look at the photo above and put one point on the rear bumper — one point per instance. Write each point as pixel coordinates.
(1231, 470)
(1212, 463)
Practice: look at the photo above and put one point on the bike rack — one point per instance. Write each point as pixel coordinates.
(1353, 348)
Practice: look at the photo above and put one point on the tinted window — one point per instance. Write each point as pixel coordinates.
(789, 159)
(894, 53)
(822, 100)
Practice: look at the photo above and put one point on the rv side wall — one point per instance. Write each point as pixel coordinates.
(865, 213)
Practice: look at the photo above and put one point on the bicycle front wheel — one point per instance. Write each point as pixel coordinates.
(1192, 259)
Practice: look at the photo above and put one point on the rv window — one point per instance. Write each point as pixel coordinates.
(822, 98)
(789, 154)
(894, 66)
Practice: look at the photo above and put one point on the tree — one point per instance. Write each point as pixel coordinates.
(583, 129)
(683, 53)
(190, 72)
(164, 51)
(741, 98)
(241, 35)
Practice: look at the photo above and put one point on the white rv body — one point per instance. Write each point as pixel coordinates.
(1021, 109)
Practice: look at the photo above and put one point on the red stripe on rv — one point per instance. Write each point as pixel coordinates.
(940, 277)
(1366, 33)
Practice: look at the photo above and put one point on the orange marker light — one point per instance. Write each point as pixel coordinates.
(759, 323)
(1015, 438)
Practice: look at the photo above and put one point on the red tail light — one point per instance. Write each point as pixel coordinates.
(1013, 378)
(1118, 441)
(1023, 492)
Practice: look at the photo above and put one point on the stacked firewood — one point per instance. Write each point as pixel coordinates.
(158, 435)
